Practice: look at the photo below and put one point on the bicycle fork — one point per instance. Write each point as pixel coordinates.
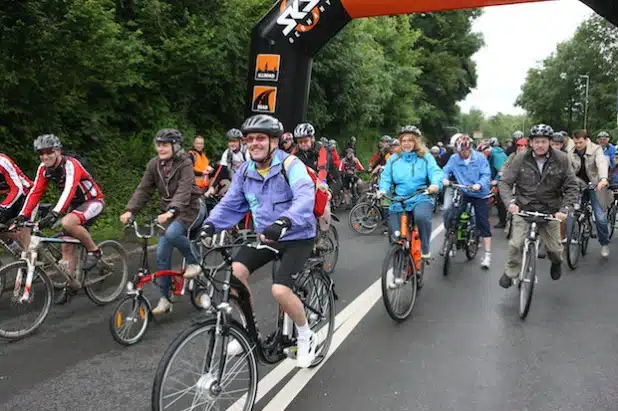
(29, 276)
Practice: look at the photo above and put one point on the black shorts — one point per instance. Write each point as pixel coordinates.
(13, 211)
(293, 255)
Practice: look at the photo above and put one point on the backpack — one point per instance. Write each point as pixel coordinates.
(321, 197)
(81, 160)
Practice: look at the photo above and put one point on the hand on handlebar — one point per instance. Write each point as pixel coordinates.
(446, 182)
(126, 217)
(380, 194)
(475, 187)
(276, 230)
(513, 208)
(560, 216)
(432, 189)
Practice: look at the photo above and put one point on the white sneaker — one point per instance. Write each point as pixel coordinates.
(162, 307)
(306, 350)
(486, 262)
(192, 271)
(604, 251)
(426, 256)
(234, 348)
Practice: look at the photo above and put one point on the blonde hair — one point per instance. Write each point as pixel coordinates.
(419, 145)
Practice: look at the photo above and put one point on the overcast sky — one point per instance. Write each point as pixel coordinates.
(516, 38)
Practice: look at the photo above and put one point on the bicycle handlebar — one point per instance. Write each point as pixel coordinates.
(404, 199)
(152, 223)
(535, 214)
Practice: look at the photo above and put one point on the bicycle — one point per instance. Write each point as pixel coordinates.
(32, 280)
(139, 309)
(365, 217)
(613, 211)
(403, 264)
(581, 230)
(462, 233)
(206, 382)
(527, 274)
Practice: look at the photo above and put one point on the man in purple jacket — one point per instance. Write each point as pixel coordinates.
(282, 210)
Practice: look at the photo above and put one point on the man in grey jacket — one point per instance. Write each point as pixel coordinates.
(545, 183)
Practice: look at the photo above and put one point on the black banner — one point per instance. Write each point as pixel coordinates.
(283, 45)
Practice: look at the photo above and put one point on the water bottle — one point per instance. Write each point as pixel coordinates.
(464, 221)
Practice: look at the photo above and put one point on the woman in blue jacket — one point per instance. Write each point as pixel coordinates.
(407, 172)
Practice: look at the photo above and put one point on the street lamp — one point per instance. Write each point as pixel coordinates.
(563, 76)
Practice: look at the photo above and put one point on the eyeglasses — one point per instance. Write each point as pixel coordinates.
(257, 139)
(48, 150)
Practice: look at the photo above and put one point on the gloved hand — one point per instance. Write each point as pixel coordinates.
(380, 194)
(49, 220)
(206, 234)
(277, 229)
(20, 219)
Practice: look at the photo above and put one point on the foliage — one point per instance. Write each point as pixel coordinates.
(499, 125)
(105, 75)
(555, 92)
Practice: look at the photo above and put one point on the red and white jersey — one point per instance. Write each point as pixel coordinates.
(76, 184)
(13, 180)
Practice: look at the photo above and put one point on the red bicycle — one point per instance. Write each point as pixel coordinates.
(130, 319)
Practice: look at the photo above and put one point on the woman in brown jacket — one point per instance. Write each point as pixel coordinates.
(171, 172)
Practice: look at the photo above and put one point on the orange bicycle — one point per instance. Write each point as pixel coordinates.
(403, 268)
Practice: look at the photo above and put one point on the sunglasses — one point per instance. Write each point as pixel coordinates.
(257, 139)
(46, 151)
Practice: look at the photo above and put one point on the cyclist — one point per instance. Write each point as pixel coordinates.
(558, 142)
(231, 160)
(286, 142)
(471, 168)
(521, 146)
(515, 137)
(591, 167)
(545, 183)
(406, 172)
(351, 144)
(394, 147)
(283, 214)
(496, 157)
(81, 199)
(608, 149)
(313, 156)
(379, 158)
(348, 167)
(435, 152)
(201, 166)
(16, 185)
(171, 172)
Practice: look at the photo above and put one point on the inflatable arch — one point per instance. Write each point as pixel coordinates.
(287, 38)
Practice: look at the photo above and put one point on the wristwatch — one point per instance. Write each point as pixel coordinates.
(172, 210)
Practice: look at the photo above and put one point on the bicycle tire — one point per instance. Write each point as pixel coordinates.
(472, 245)
(573, 253)
(399, 258)
(611, 218)
(585, 237)
(325, 346)
(357, 228)
(48, 295)
(142, 309)
(526, 288)
(92, 288)
(183, 338)
(333, 237)
(448, 246)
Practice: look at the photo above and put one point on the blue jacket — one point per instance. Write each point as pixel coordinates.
(269, 199)
(610, 152)
(408, 173)
(476, 172)
(497, 160)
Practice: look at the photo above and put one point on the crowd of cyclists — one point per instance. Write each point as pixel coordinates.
(274, 175)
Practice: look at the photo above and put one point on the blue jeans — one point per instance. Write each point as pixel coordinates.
(600, 216)
(423, 212)
(174, 237)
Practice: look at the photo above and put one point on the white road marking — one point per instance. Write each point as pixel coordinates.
(345, 322)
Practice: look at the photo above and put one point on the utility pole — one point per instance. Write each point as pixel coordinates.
(587, 77)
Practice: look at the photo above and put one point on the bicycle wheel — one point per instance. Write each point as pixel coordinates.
(319, 302)
(449, 243)
(131, 314)
(328, 248)
(472, 245)
(107, 279)
(15, 322)
(585, 236)
(611, 218)
(573, 246)
(364, 218)
(187, 376)
(526, 286)
(398, 279)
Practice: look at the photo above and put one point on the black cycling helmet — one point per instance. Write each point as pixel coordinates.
(558, 137)
(304, 130)
(45, 141)
(262, 123)
(541, 130)
(234, 134)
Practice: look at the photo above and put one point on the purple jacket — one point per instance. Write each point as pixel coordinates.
(269, 199)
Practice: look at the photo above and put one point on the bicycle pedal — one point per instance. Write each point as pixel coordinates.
(290, 352)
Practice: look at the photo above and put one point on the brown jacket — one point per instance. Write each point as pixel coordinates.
(554, 190)
(597, 167)
(177, 191)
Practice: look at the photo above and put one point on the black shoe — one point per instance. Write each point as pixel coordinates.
(556, 271)
(500, 225)
(505, 281)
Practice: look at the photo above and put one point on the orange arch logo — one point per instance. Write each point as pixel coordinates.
(299, 15)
